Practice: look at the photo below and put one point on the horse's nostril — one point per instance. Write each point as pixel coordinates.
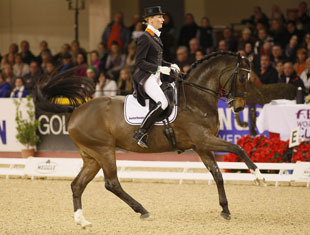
(238, 109)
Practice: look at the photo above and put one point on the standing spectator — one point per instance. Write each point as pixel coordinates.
(19, 91)
(115, 61)
(193, 47)
(105, 86)
(65, 50)
(291, 49)
(66, 62)
(205, 35)
(5, 88)
(188, 31)
(262, 38)
(116, 31)
(267, 74)
(33, 75)
(26, 54)
(8, 74)
(182, 57)
(43, 50)
(125, 82)
(81, 61)
(131, 57)
(277, 54)
(20, 69)
(300, 61)
(245, 38)
(94, 59)
(305, 76)
(168, 38)
(231, 42)
(290, 76)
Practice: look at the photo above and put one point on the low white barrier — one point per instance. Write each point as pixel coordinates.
(68, 167)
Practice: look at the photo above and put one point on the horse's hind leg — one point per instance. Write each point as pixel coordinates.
(108, 163)
(88, 172)
(209, 161)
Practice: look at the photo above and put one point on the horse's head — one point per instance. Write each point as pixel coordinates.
(238, 84)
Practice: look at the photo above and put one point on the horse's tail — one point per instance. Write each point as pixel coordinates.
(62, 85)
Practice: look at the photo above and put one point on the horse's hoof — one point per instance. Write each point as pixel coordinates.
(85, 224)
(225, 215)
(146, 217)
(261, 182)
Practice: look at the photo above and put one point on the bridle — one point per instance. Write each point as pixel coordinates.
(230, 96)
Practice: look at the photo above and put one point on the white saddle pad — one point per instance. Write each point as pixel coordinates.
(134, 113)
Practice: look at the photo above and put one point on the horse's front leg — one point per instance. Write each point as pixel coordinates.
(215, 144)
(208, 159)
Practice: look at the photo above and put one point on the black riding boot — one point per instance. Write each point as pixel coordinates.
(149, 120)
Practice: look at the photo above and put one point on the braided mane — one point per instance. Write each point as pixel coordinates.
(207, 57)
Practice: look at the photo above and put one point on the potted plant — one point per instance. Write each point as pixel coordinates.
(26, 127)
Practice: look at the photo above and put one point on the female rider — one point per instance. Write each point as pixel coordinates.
(150, 65)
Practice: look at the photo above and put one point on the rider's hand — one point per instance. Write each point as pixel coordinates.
(164, 70)
(175, 68)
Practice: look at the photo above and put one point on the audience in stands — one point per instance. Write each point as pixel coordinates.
(26, 54)
(20, 69)
(305, 76)
(182, 58)
(115, 61)
(19, 90)
(5, 87)
(205, 35)
(33, 75)
(188, 30)
(125, 82)
(290, 76)
(105, 86)
(267, 73)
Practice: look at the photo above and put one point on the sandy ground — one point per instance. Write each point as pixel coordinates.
(45, 207)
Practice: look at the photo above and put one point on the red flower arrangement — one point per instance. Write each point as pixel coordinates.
(263, 149)
(302, 152)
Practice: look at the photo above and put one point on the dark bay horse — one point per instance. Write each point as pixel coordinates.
(98, 127)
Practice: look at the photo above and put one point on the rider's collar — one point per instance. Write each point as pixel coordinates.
(153, 31)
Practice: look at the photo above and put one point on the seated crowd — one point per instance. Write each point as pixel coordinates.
(277, 46)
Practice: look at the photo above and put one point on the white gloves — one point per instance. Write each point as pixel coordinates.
(164, 70)
(175, 68)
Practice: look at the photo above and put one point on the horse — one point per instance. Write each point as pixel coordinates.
(97, 127)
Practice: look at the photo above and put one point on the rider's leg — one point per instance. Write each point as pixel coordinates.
(154, 91)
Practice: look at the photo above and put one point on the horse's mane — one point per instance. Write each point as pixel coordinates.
(207, 57)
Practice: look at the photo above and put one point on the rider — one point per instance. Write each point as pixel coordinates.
(150, 64)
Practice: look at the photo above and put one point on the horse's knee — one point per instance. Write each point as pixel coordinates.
(112, 185)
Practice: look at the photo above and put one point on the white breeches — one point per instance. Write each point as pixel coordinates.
(153, 90)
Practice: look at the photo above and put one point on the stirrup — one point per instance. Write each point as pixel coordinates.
(141, 138)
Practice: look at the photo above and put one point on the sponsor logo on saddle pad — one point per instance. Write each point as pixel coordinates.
(47, 167)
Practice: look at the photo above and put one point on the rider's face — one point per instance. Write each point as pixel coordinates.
(156, 21)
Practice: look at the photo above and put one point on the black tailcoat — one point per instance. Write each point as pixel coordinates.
(149, 56)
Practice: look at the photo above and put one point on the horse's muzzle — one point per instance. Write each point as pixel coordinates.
(238, 104)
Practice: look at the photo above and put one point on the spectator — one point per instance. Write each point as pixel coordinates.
(306, 42)
(182, 57)
(278, 32)
(303, 16)
(43, 50)
(91, 73)
(277, 54)
(222, 46)
(279, 68)
(125, 82)
(19, 91)
(9, 58)
(290, 76)
(138, 31)
(81, 62)
(248, 49)
(20, 69)
(231, 42)
(245, 38)
(267, 74)
(262, 38)
(292, 30)
(115, 61)
(103, 55)
(193, 46)
(66, 62)
(75, 50)
(65, 50)
(50, 67)
(5, 88)
(105, 86)
(33, 75)
(291, 49)
(199, 55)
(277, 14)
(266, 50)
(259, 16)
(45, 57)
(131, 57)
(305, 76)
(135, 21)
(116, 31)
(8, 74)
(300, 61)
(26, 54)
(205, 35)
(95, 60)
(188, 31)
(168, 38)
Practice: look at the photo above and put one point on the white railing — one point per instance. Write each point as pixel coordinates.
(158, 170)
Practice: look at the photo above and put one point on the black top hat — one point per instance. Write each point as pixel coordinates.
(153, 11)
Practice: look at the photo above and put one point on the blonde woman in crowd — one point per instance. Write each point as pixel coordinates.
(125, 82)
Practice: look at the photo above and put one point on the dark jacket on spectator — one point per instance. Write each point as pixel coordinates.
(269, 76)
(28, 57)
(205, 37)
(294, 80)
(5, 90)
(187, 33)
(124, 35)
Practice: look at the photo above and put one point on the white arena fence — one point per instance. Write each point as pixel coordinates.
(155, 170)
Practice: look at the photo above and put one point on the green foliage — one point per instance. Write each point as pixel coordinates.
(26, 127)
